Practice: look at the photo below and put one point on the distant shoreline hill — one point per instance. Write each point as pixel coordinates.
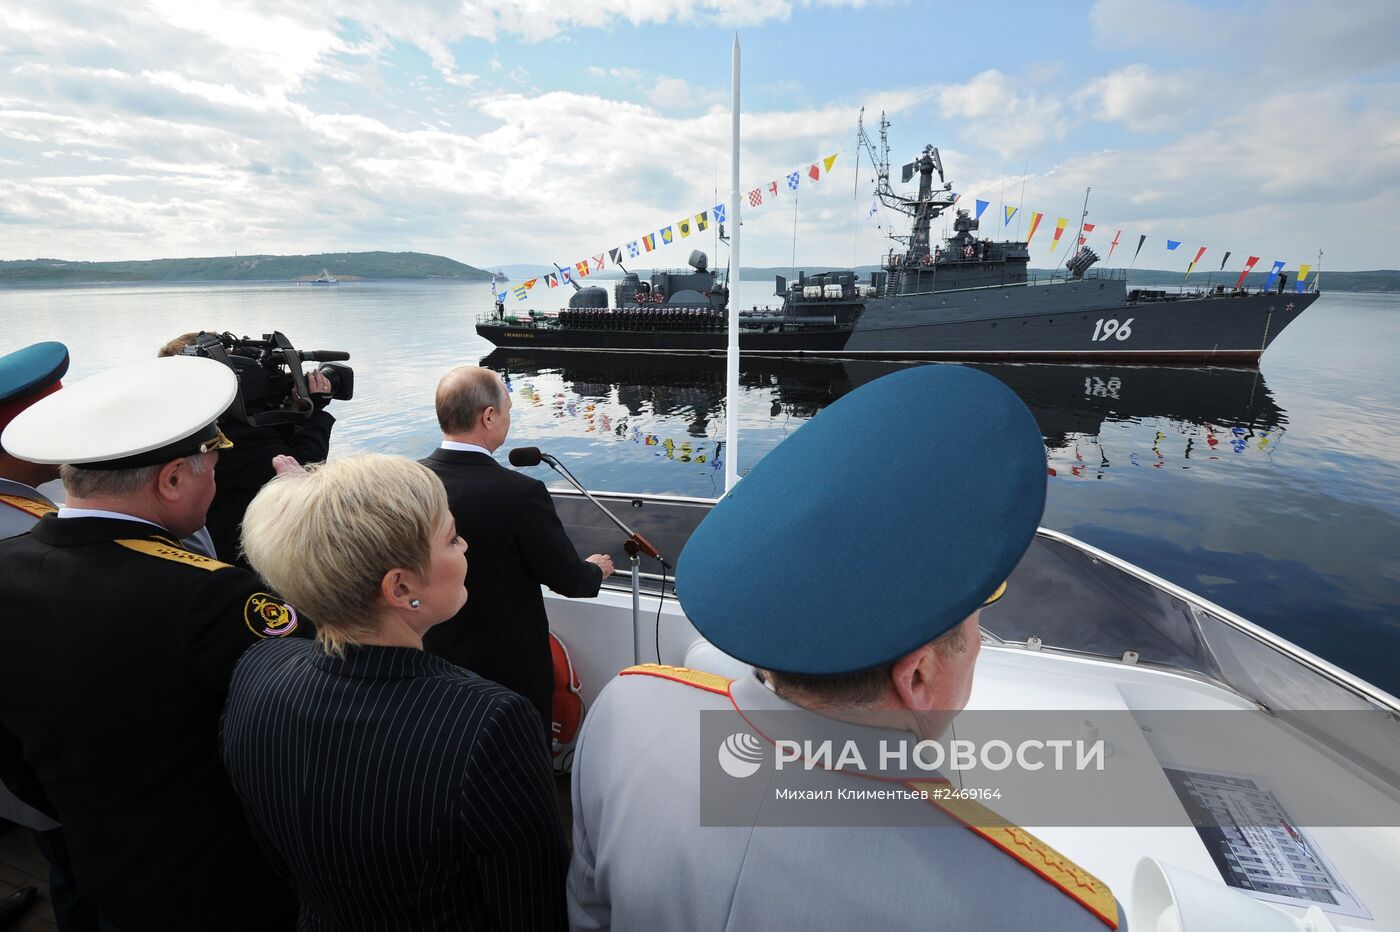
(358, 266)
(345, 266)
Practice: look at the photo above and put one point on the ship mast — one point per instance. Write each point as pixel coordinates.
(929, 203)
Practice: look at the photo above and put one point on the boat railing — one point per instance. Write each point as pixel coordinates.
(1093, 274)
(527, 319)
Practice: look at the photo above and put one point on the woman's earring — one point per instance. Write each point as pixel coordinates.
(414, 603)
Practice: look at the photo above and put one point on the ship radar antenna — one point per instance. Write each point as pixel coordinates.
(931, 199)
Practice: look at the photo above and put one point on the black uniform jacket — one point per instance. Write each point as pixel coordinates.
(246, 467)
(515, 543)
(401, 791)
(116, 650)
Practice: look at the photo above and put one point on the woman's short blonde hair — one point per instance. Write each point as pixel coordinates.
(325, 539)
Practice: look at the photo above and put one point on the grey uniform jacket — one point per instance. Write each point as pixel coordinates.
(15, 521)
(642, 859)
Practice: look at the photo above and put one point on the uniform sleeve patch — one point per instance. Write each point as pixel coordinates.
(267, 616)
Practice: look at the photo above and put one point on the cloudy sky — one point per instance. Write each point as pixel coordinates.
(523, 132)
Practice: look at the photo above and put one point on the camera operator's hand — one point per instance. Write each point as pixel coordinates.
(283, 464)
(317, 382)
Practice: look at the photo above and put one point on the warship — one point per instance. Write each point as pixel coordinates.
(970, 298)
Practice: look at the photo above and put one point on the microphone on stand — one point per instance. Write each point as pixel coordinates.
(533, 456)
(527, 456)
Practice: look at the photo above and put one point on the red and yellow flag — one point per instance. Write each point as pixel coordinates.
(1035, 222)
(1199, 252)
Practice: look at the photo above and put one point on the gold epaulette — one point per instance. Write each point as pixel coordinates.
(1077, 883)
(173, 552)
(710, 682)
(30, 506)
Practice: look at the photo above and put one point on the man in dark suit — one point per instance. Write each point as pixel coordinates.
(516, 541)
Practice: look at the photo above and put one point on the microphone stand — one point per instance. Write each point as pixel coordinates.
(636, 558)
(642, 544)
(635, 545)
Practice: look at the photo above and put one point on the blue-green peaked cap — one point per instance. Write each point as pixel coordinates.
(878, 525)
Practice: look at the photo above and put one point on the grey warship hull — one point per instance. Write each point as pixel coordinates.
(1087, 319)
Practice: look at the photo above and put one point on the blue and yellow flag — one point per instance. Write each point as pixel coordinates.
(1303, 271)
(1010, 212)
(666, 236)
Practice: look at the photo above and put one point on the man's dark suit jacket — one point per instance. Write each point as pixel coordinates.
(401, 792)
(515, 543)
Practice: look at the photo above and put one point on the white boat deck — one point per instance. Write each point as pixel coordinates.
(1016, 679)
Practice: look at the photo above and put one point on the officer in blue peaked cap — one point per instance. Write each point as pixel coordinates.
(26, 375)
(847, 569)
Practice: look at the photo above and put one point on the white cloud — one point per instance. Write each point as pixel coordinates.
(208, 129)
(1142, 98)
(996, 112)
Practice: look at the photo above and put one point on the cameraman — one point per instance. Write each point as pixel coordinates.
(241, 471)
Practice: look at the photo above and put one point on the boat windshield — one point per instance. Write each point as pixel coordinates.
(1064, 596)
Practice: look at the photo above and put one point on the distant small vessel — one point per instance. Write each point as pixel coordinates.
(326, 278)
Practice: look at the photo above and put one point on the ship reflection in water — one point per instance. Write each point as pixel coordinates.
(1095, 418)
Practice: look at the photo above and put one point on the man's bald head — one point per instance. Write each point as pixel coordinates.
(463, 396)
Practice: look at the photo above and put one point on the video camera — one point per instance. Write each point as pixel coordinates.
(272, 388)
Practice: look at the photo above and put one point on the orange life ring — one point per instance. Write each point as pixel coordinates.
(566, 706)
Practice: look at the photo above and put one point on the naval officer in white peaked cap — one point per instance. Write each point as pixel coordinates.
(848, 569)
(117, 645)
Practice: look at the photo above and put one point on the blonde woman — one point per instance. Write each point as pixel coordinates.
(397, 790)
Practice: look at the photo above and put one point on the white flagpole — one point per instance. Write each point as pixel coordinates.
(731, 398)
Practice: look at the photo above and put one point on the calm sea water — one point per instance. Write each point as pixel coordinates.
(1275, 493)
